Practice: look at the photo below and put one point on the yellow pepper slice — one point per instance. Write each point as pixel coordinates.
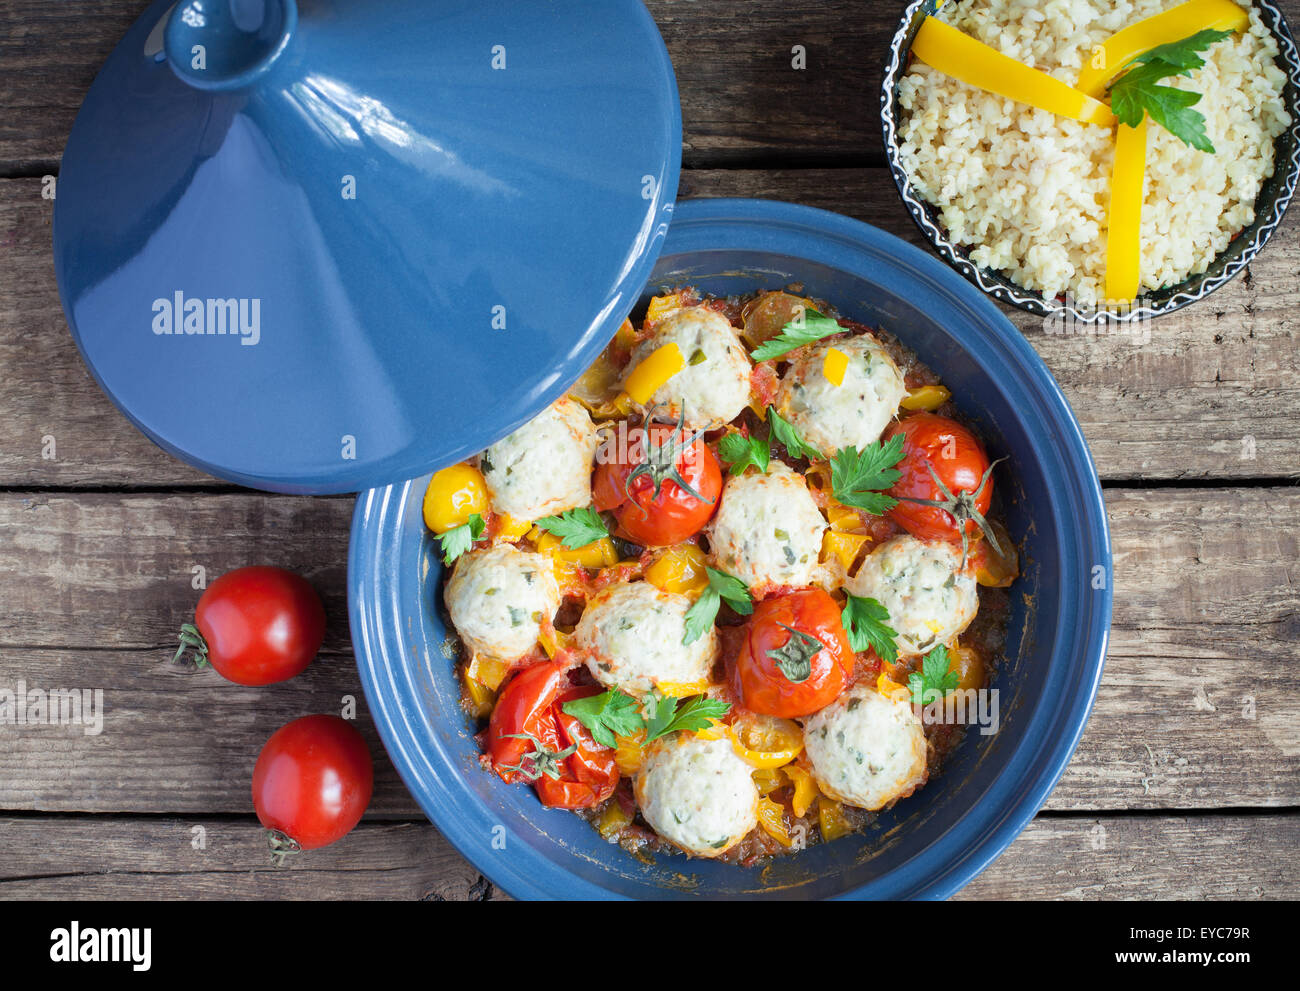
(766, 741)
(941, 46)
(771, 816)
(679, 569)
(453, 496)
(512, 529)
(968, 665)
(805, 789)
(843, 547)
(657, 368)
(661, 306)
(832, 820)
(1180, 22)
(552, 640)
(626, 335)
(479, 697)
(489, 672)
(1123, 241)
(598, 554)
(891, 689)
(834, 365)
(926, 397)
(612, 821)
(768, 780)
(630, 752)
(682, 689)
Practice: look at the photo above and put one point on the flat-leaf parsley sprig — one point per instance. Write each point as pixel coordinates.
(857, 480)
(576, 527)
(458, 540)
(721, 586)
(807, 328)
(1137, 91)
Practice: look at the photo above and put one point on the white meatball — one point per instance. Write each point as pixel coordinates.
(697, 793)
(929, 597)
(498, 599)
(544, 467)
(768, 530)
(631, 637)
(856, 411)
(714, 385)
(866, 750)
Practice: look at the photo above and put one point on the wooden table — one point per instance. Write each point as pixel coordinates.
(1186, 784)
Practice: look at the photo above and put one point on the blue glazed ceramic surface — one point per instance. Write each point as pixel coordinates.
(930, 844)
(323, 245)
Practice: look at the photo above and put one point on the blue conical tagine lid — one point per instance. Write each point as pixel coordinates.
(323, 245)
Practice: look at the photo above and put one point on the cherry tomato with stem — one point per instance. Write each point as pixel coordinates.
(256, 626)
(312, 783)
(795, 657)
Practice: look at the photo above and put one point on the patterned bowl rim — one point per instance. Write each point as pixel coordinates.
(1270, 206)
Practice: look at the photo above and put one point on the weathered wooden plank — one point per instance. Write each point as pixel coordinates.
(741, 95)
(1132, 857)
(1200, 706)
(1212, 393)
(172, 859)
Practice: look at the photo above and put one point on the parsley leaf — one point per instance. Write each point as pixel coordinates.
(934, 676)
(794, 657)
(576, 527)
(741, 452)
(458, 540)
(606, 715)
(1137, 91)
(665, 715)
(856, 479)
(806, 328)
(790, 439)
(705, 610)
(865, 622)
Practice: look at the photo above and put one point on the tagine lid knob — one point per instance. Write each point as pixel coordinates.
(322, 246)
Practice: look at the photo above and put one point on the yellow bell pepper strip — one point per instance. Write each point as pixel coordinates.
(842, 518)
(832, 820)
(510, 529)
(612, 821)
(842, 547)
(768, 780)
(479, 699)
(1123, 240)
(968, 665)
(629, 753)
(771, 816)
(1180, 22)
(661, 306)
(679, 569)
(598, 554)
(657, 368)
(625, 338)
(834, 365)
(941, 46)
(682, 689)
(926, 397)
(453, 496)
(805, 789)
(891, 689)
(552, 640)
(489, 672)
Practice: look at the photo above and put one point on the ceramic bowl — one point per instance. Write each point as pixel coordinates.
(1270, 205)
(928, 845)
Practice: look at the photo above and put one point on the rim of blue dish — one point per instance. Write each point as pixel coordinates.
(1270, 205)
(384, 658)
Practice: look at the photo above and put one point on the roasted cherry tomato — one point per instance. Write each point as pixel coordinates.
(795, 657)
(939, 453)
(661, 491)
(531, 738)
(311, 783)
(256, 626)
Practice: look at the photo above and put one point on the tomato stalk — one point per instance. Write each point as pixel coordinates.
(540, 761)
(281, 846)
(962, 507)
(661, 459)
(191, 639)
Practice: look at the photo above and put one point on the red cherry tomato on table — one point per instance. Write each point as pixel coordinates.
(312, 782)
(531, 738)
(958, 459)
(257, 626)
(662, 492)
(781, 636)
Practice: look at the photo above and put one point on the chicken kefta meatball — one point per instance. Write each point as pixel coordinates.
(631, 637)
(697, 793)
(929, 597)
(714, 386)
(498, 598)
(544, 467)
(866, 750)
(856, 411)
(768, 530)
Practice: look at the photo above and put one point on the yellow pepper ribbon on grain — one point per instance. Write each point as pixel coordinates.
(1179, 22)
(941, 46)
(969, 60)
